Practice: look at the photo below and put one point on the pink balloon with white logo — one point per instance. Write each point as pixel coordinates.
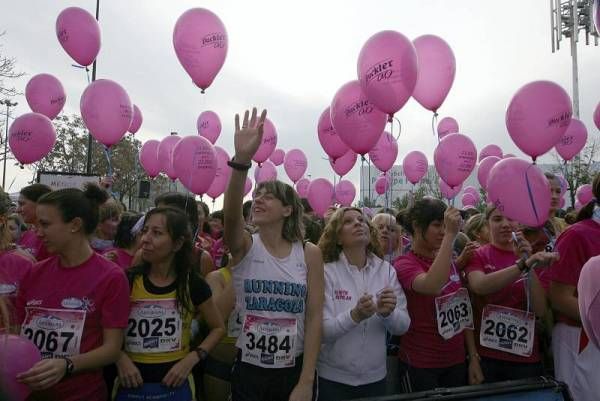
(320, 195)
(345, 192)
(149, 158)
(209, 125)
(78, 33)
(295, 164)
(355, 119)
(136, 121)
(447, 191)
(268, 144)
(573, 140)
(106, 111)
(265, 172)
(584, 194)
(194, 161)
(165, 156)
(45, 95)
(330, 141)
(455, 158)
(384, 153)
(222, 174)
(302, 187)
(387, 70)
(31, 137)
(447, 125)
(483, 171)
(200, 42)
(415, 166)
(490, 150)
(277, 157)
(344, 164)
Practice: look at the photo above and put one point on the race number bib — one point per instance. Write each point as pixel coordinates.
(506, 329)
(454, 313)
(269, 343)
(154, 326)
(56, 332)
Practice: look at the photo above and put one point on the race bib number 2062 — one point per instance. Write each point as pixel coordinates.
(506, 329)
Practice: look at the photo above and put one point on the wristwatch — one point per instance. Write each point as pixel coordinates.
(238, 166)
(202, 354)
(522, 265)
(68, 367)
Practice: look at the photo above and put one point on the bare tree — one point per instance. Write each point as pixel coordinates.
(8, 72)
(580, 170)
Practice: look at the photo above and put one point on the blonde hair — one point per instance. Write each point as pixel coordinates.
(109, 209)
(474, 225)
(329, 240)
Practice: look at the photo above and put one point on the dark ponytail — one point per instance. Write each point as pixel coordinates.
(73, 203)
(587, 211)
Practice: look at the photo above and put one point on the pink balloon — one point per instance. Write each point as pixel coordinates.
(265, 172)
(483, 172)
(447, 192)
(106, 111)
(382, 184)
(384, 153)
(471, 190)
(588, 298)
(195, 163)
(584, 194)
(387, 70)
(437, 67)
(222, 174)
(209, 125)
(295, 164)
(507, 155)
(18, 355)
(490, 150)
(247, 186)
(136, 121)
(344, 164)
(31, 137)
(345, 192)
(45, 95)
(468, 200)
(79, 34)
(149, 158)
(277, 157)
(597, 116)
(200, 42)
(165, 156)
(269, 142)
(302, 187)
(537, 117)
(448, 125)
(520, 191)
(573, 140)
(355, 119)
(454, 158)
(320, 195)
(415, 166)
(330, 140)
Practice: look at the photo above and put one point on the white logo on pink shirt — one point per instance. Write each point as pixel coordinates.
(7, 289)
(72, 303)
(34, 302)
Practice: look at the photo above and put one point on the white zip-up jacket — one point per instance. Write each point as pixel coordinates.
(355, 353)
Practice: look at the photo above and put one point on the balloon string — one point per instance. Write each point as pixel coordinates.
(434, 123)
(87, 72)
(399, 127)
(530, 194)
(107, 153)
(369, 163)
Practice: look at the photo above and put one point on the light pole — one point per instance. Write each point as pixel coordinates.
(8, 104)
(88, 165)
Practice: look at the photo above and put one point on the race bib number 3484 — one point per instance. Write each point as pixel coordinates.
(269, 343)
(56, 332)
(507, 329)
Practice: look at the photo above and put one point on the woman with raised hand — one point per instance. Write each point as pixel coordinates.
(278, 283)
(576, 360)
(510, 297)
(73, 305)
(432, 352)
(26, 207)
(166, 293)
(363, 301)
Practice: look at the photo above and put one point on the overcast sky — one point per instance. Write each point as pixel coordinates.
(291, 57)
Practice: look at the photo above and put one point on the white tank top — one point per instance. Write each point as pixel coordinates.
(272, 288)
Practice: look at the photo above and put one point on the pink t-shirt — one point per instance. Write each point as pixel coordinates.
(13, 267)
(30, 242)
(422, 346)
(96, 289)
(122, 258)
(576, 245)
(489, 259)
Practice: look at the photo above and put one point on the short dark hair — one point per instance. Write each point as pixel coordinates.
(124, 238)
(186, 203)
(73, 203)
(246, 209)
(34, 192)
(422, 214)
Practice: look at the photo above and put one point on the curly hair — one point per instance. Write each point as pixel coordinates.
(329, 240)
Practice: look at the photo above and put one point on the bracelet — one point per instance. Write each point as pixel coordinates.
(68, 367)
(522, 265)
(202, 354)
(473, 356)
(238, 166)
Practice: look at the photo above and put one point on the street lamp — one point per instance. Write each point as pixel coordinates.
(8, 104)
